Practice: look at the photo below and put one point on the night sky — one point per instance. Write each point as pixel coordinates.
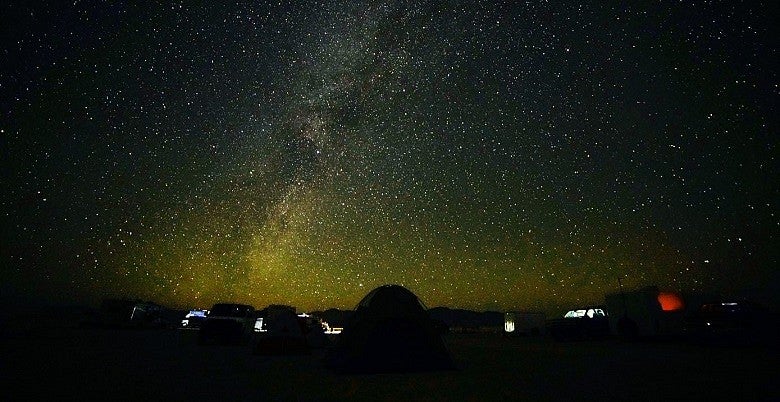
(484, 154)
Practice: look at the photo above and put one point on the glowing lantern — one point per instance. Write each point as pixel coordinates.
(509, 323)
(670, 301)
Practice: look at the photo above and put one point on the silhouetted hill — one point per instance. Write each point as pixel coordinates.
(34, 320)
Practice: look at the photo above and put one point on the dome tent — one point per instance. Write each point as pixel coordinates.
(390, 332)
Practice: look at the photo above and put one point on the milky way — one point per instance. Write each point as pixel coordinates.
(489, 155)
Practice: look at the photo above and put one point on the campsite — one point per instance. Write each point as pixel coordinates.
(170, 365)
(392, 348)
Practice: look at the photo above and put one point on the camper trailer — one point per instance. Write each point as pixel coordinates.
(647, 312)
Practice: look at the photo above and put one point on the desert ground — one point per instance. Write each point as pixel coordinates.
(169, 365)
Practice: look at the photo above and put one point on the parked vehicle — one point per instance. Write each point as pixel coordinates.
(194, 319)
(579, 324)
(729, 323)
(228, 323)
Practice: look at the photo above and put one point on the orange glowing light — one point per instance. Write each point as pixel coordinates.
(670, 301)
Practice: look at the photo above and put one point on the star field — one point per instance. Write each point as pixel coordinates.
(503, 155)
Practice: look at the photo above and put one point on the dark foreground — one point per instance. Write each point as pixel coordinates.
(169, 365)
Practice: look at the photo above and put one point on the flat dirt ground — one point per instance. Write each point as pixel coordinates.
(169, 365)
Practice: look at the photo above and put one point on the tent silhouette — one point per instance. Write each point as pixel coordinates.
(390, 332)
